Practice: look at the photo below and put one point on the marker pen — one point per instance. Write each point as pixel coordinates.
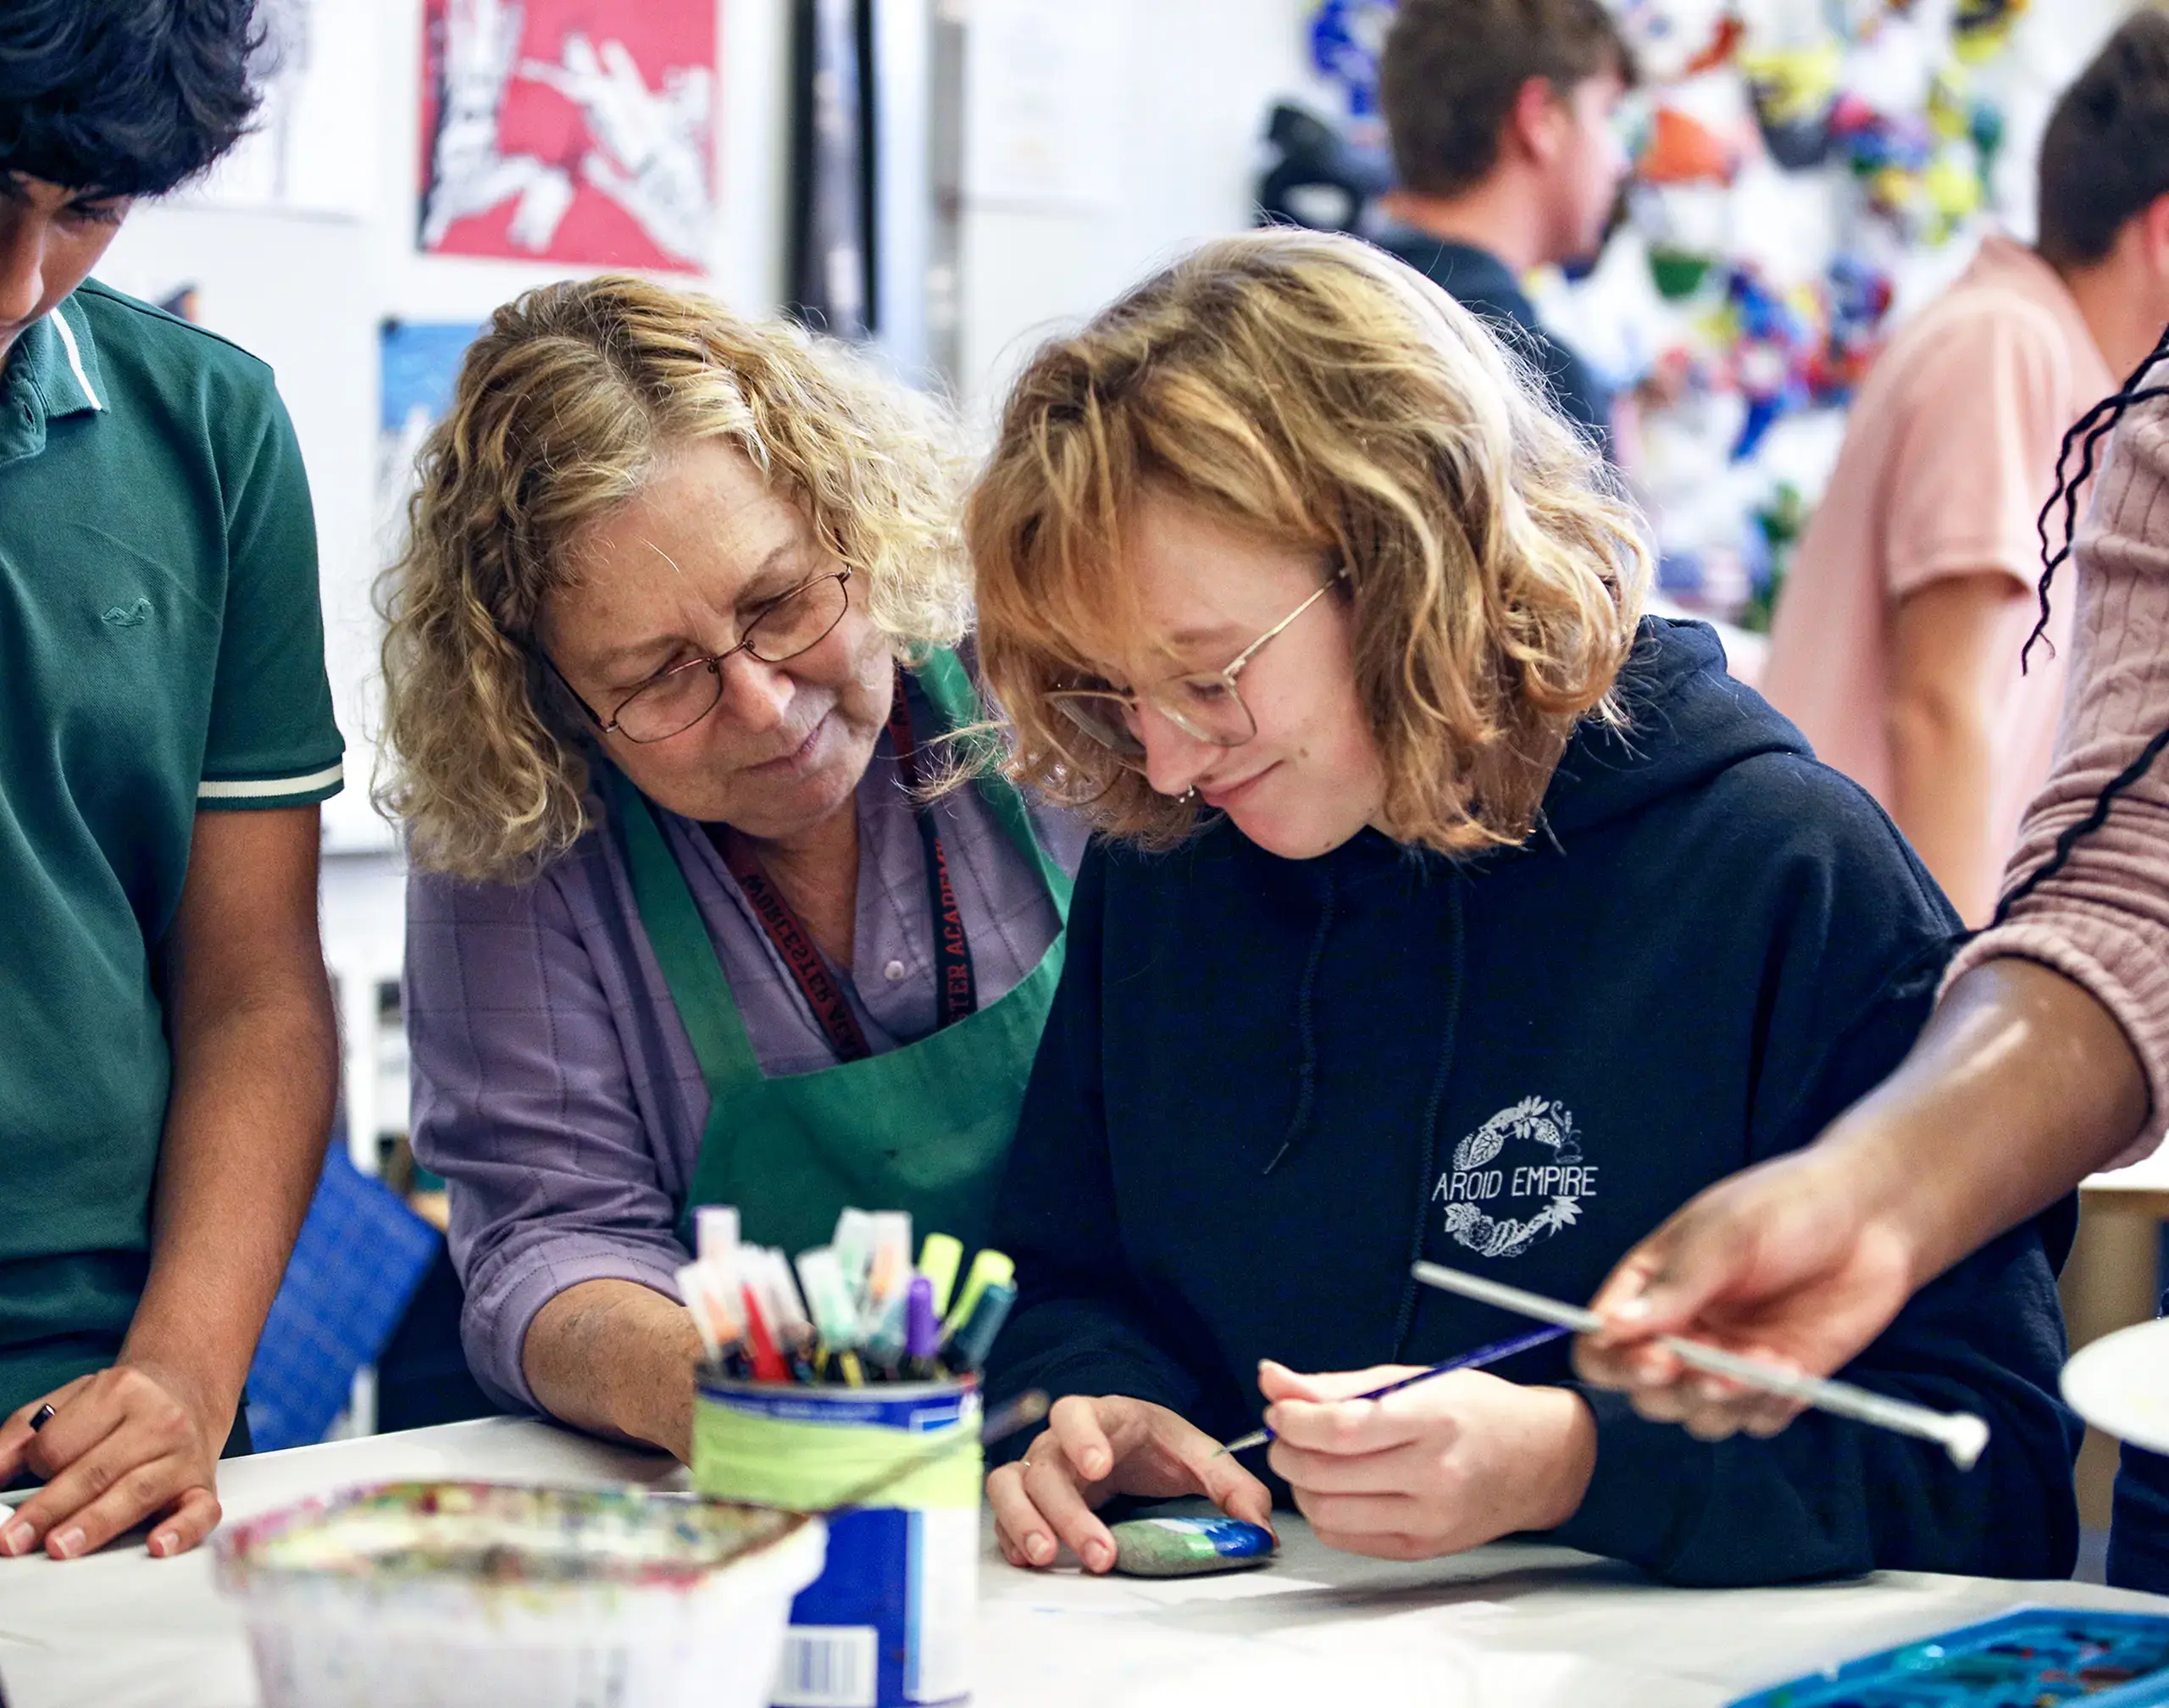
(692, 1288)
(968, 1347)
(922, 1332)
(987, 1268)
(715, 1232)
(938, 1261)
(767, 1361)
(885, 1342)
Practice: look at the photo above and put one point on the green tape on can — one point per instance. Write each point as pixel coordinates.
(805, 1448)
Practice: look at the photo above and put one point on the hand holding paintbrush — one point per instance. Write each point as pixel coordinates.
(1959, 1433)
(1498, 1352)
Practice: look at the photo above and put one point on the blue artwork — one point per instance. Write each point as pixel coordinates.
(420, 362)
(1345, 37)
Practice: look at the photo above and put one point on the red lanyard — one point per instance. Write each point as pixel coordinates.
(957, 990)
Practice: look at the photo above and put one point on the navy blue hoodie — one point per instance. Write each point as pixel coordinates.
(1266, 1086)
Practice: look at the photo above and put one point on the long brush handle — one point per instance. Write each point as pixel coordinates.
(1959, 1433)
(1468, 1361)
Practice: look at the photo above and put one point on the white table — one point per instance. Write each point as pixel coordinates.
(1507, 1627)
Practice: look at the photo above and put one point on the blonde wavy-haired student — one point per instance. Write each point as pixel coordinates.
(1445, 907)
(675, 627)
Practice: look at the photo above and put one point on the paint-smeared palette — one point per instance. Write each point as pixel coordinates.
(2032, 1657)
(470, 1535)
(445, 1594)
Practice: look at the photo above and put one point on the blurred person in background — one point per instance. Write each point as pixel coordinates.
(168, 1055)
(1501, 115)
(1898, 633)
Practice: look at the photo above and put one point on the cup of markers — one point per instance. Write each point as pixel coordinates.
(820, 1375)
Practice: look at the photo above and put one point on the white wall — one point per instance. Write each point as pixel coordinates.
(1185, 123)
(1183, 101)
(307, 294)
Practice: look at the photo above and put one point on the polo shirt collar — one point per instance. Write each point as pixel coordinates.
(51, 373)
(62, 363)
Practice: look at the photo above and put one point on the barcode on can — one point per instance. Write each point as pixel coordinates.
(827, 1666)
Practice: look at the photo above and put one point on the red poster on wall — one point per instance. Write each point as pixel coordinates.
(576, 130)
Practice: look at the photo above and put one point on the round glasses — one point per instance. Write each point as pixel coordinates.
(673, 702)
(1205, 704)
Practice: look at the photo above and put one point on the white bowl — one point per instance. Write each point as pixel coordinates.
(447, 1594)
(2120, 1384)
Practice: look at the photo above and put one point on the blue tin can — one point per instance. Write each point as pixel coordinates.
(889, 1622)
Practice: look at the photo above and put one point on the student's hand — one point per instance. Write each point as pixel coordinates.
(1095, 1448)
(1788, 1261)
(127, 1444)
(1449, 1464)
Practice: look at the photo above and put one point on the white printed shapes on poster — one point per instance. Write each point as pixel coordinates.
(1042, 83)
(576, 130)
(313, 148)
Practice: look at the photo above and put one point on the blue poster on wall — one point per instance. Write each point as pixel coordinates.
(421, 361)
(418, 365)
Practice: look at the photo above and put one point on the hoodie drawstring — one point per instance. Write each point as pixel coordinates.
(1307, 1064)
(1452, 1031)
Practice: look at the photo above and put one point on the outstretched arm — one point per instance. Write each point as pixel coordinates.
(255, 1063)
(2020, 1086)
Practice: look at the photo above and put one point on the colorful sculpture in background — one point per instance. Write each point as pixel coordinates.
(1776, 295)
(1926, 169)
(1795, 159)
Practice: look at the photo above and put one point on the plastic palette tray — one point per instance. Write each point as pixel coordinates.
(2031, 1657)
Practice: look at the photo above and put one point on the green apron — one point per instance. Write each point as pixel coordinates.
(925, 1128)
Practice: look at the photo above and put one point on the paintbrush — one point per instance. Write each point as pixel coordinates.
(1961, 1434)
(1468, 1361)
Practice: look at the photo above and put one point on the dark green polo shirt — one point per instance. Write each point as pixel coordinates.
(161, 654)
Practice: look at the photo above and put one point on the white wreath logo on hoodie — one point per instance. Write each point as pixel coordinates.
(1473, 1186)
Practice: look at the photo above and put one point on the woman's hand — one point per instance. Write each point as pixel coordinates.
(1790, 1261)
(1449, 1464)
(1095, 1448)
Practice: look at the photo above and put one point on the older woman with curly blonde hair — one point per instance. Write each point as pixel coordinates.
(670, 652)
(1447, 908)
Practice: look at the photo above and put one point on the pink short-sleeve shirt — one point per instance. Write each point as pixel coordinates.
(1949, 454)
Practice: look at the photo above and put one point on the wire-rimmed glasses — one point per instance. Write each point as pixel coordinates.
(1204, 704)
(675, 700)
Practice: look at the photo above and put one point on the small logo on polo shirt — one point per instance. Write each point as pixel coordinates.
(127, 616)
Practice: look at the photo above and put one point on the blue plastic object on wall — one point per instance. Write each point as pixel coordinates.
(361, 1254)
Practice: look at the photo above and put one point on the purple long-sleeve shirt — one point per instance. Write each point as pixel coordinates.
(554, 1087)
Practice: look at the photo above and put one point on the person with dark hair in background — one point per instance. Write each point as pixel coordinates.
(1499, 114)
(167, 1056)
(1896, 642)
